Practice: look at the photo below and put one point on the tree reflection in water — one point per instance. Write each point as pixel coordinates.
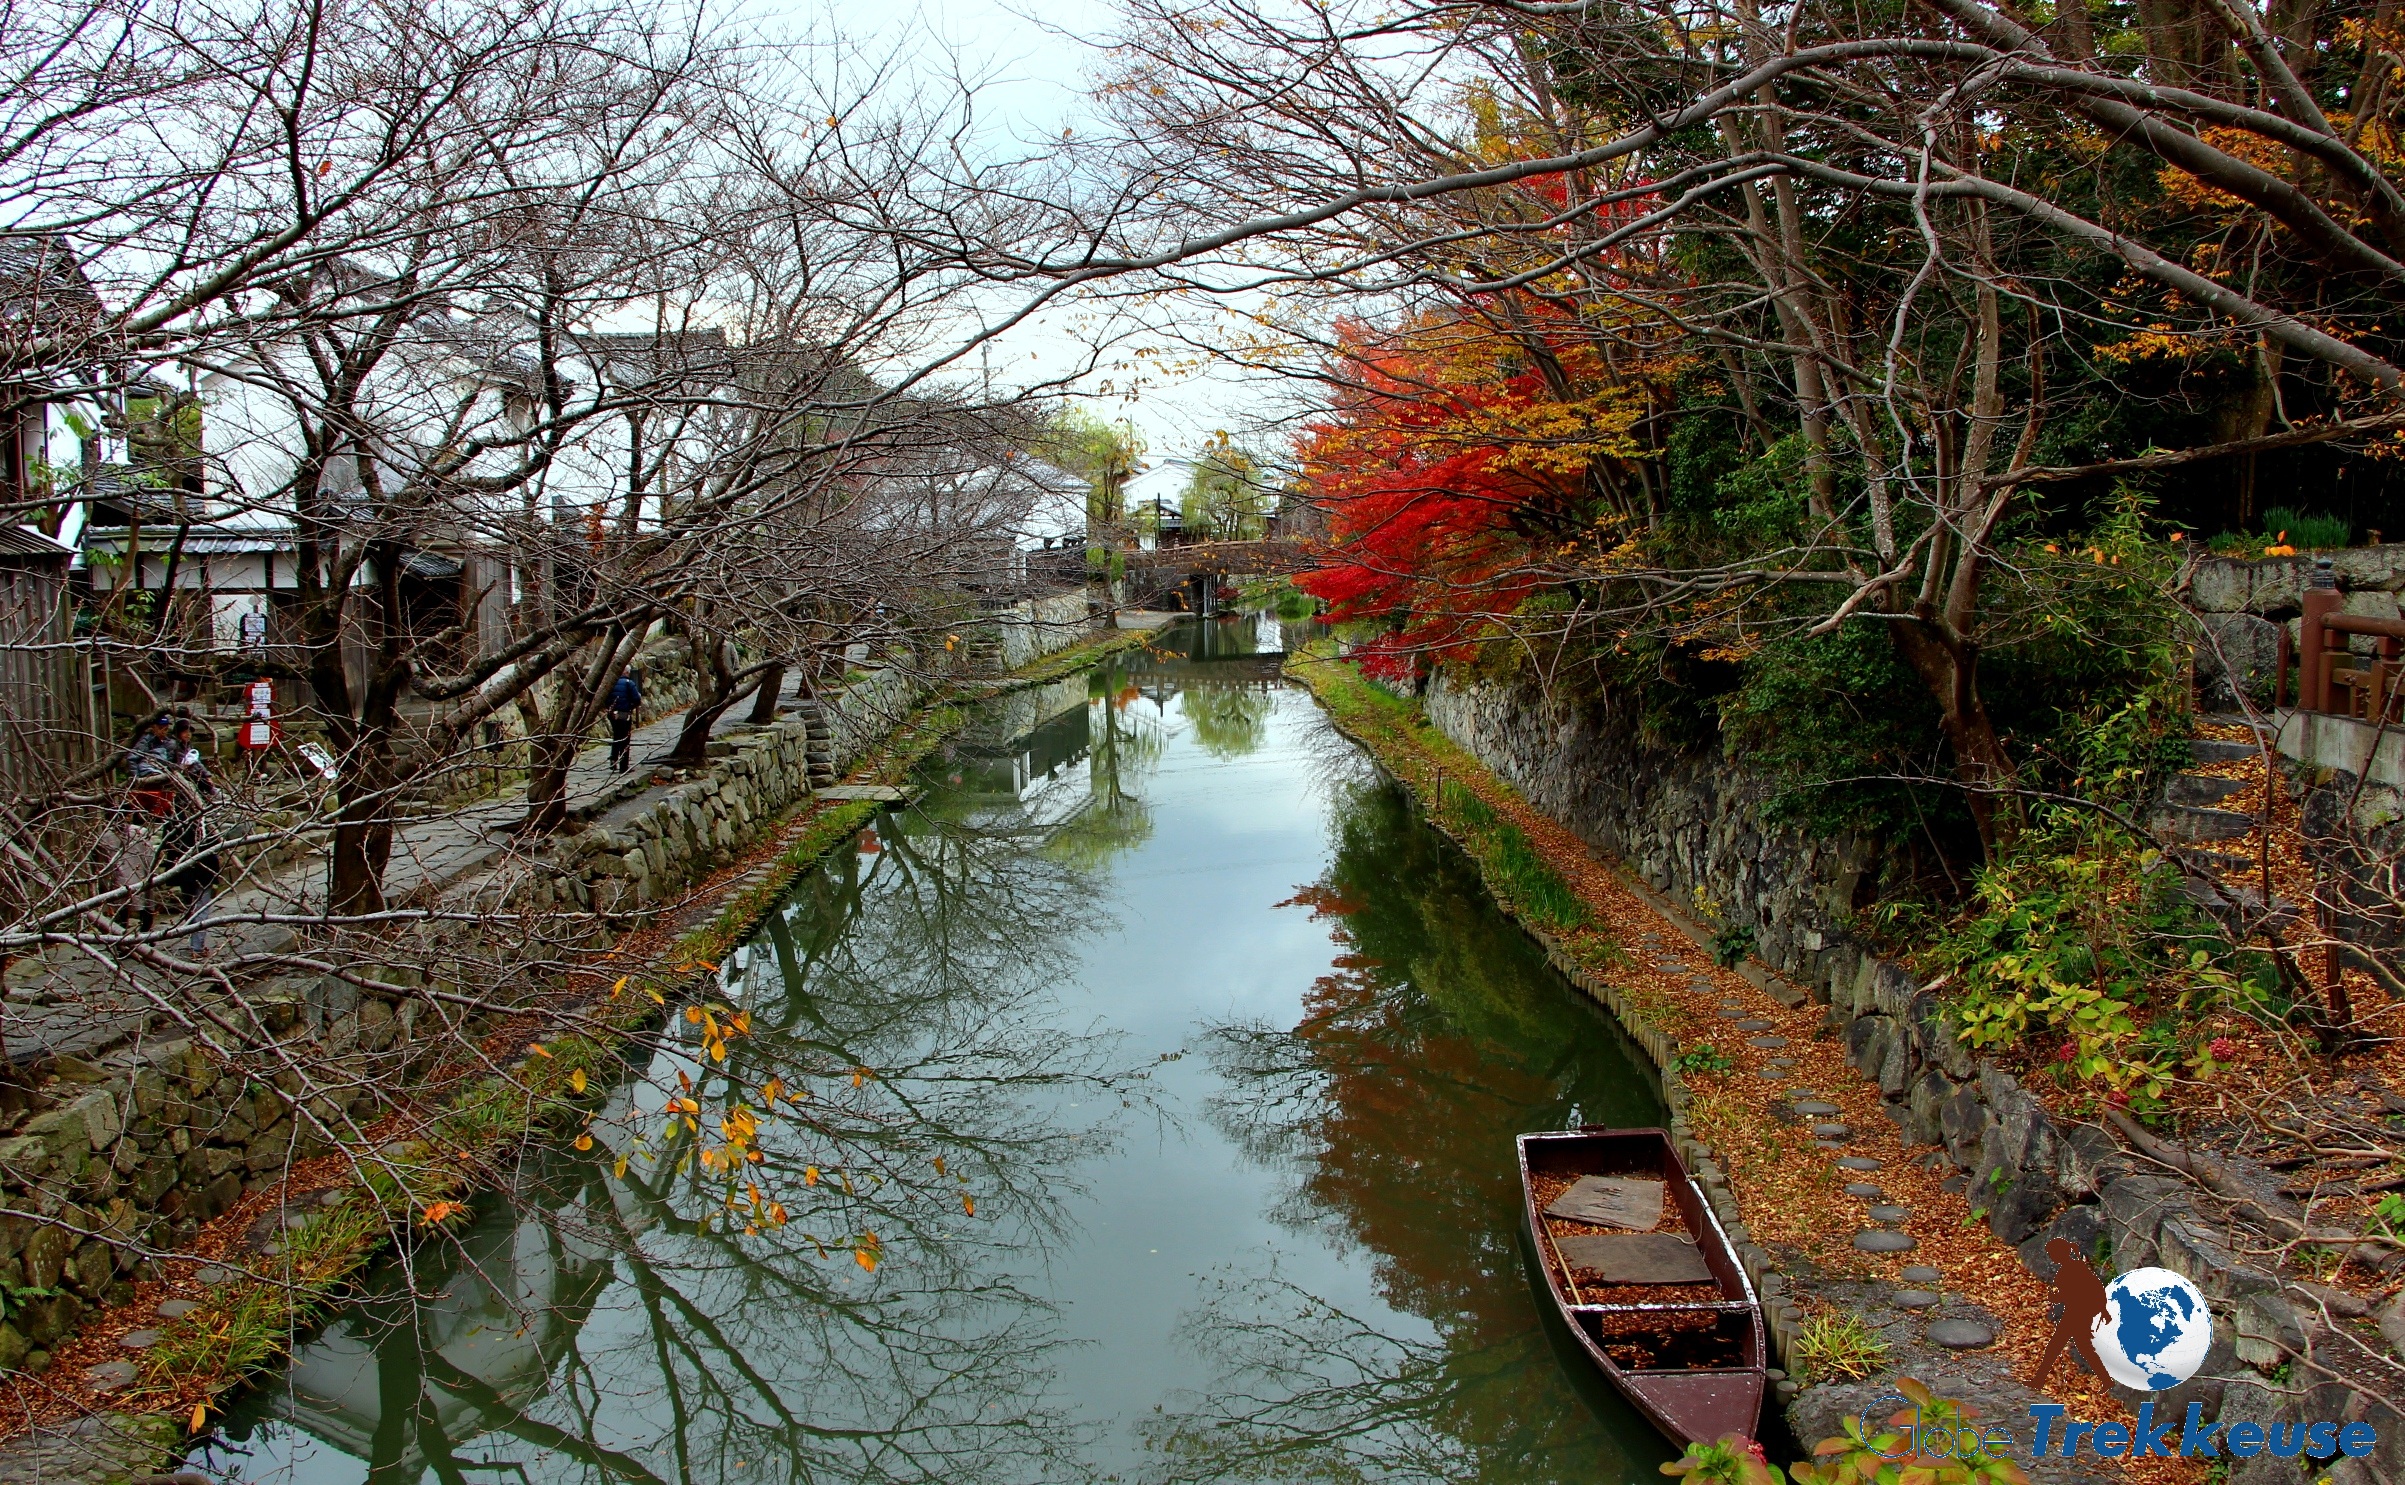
(1438, 1034)
(630, 1314)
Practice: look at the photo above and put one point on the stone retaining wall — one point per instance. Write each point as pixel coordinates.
(1683, 821)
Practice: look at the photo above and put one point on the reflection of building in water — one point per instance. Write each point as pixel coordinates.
(1026, 752)
(401, 1385)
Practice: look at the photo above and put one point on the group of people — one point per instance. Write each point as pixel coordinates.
(162, 842)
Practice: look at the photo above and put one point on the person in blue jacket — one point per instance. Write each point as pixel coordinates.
(625, 697)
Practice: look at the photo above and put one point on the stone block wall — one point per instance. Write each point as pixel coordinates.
(138, 1148)
(1035, 627)
(1684, 821)
(2244, 606)
(637, 857)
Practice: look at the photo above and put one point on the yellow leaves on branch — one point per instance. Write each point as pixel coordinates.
(439, 1212)
(2239, 144)
(719, 1028)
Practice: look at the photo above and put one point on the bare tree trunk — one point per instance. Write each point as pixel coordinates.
(764, 702)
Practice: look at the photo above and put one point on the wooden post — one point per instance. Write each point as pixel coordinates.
(2321, 600)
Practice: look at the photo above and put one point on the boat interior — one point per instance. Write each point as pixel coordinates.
(1656, 1310)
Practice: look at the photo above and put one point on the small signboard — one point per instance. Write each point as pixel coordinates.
(321, 760)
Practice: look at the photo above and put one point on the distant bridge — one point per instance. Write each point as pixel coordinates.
(1225, 558)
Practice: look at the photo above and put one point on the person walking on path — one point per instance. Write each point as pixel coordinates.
(625, 697)
(185, 845)
(150, 764)
(2081, 1294)
(133, 853)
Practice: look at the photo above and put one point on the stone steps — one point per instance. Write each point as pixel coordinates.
(2200, 789)
(2221, 750)
(2199, 824)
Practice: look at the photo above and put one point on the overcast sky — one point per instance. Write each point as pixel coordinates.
(1034, 86)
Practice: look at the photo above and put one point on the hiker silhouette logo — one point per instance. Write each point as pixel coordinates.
(2147, 1330)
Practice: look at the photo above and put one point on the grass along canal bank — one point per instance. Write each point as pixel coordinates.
(185, 1327)
(1787, 1137)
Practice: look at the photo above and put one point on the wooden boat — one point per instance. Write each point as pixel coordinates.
(1662, 1307)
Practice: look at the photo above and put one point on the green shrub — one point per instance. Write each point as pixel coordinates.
(1704, 1060)
(2303, 529)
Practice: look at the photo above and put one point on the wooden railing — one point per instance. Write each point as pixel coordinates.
(2329, 677)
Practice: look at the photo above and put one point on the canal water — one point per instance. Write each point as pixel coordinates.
(1157, 1074)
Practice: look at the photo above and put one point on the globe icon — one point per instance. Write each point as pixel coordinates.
(2155, 1330)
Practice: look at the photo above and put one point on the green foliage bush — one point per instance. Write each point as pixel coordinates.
(2079, 938)
(2304, 530)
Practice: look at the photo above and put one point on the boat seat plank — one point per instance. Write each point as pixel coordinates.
(1632, 1202)
(1637, 1258)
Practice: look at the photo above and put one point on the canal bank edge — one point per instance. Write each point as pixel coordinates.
(1387, 728)
(1688, 822)
(258, 1317)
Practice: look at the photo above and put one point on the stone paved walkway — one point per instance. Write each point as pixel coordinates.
(72, 1004)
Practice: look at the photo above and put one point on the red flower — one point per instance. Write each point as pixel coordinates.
(2066, 1052)
(2116, 1100)
(2223, 1049)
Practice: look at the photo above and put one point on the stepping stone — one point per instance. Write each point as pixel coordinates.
(1890, 1213)
(138, 1340)
(1865, 1190)
(111, 1375)
(1766, 1043)
(1782, 1062)
(214, 1275)
(177, 1309)
(1921, 1273)
(1812, 1106)
(1960, 1335)
(1832, 1132)
(1858, 1162)
(1956, 1184)
(1771, 1074)
(1737, 1014)
(1885, 1240)
(1756, 1025)
(1915, 1299)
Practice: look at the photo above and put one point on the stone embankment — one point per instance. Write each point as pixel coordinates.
(1690, 823)
(126, 1152)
